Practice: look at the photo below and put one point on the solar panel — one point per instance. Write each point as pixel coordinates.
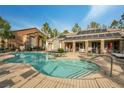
(105, 35)
(92, 31)
(101, 35)
(109, 35)
(116, 34)
(95, 36)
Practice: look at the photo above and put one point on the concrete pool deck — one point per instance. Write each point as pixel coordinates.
(19, 75)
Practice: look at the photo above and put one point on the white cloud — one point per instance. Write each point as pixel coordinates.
(96, 12)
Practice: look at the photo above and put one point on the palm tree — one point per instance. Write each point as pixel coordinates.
(76, 28)
(49, 31)
(4, 31)
(45, 28)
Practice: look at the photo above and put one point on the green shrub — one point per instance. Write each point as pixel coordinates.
(29, 49)
(38, 48)
(60, 50)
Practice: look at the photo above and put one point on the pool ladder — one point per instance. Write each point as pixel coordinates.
(105, 55)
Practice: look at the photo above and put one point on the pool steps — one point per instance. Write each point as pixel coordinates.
(83, 74)
(80, 74)
(77, 74)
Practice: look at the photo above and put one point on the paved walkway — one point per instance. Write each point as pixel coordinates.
(23, 75)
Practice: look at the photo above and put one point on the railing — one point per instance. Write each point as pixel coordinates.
(111, 61)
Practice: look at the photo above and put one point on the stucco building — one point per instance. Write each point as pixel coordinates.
(26, 38)
(92, 40)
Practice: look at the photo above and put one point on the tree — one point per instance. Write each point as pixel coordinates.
(65, 31)
(51, 33)
(45, 28)
(55, 31)
(114, 24)
(76, 28)
(118, 24)
(122, 16)
(4, 30)
(94, 25)
(121, 22)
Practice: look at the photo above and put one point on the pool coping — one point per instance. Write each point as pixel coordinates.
(101, 71)
(57, 59)
(60, 81)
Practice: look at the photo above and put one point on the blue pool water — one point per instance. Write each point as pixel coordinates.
(64, 68)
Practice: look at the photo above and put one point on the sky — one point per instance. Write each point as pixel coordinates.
(60, 17)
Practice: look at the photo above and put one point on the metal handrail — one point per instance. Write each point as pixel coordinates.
(101, 55)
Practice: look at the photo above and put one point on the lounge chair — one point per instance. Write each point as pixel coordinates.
(4, 71)
(82, 50)
(118, 55)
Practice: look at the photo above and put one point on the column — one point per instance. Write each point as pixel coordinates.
(6, 43)
(46, 46)
(37, 41)
(122, 45)
(86, 46)
(0, 42)
(40, 42)
(73, 46)
(65, 46)
(60, 44)
(83, 45)
(102, 47)
(52, 46)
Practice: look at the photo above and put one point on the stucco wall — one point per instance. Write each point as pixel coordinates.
(55, 44)
(21, 37)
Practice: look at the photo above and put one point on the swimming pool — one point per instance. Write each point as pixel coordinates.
(64, 68)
